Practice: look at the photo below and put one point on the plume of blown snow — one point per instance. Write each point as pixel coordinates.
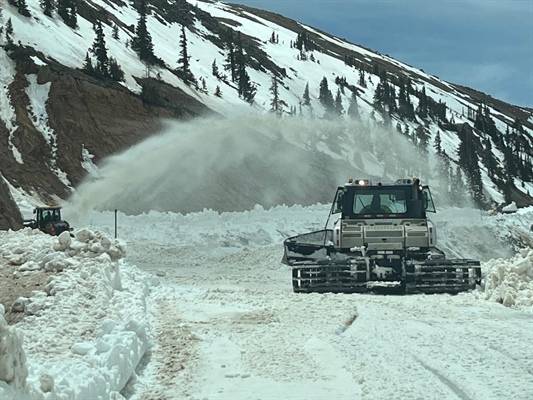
(234, 164)
(219, 164)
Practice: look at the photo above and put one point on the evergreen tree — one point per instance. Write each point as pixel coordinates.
(516, 140)
(340, 81)
(484, 121)
(375, 69)
(438, 146)
(114, 35)
(362, 80)
(379, 95)
(407, 132)
(443, 172)
(325, 96)
(488, 157)
(9, 32)
(99, 50)
(105, 67)
(73, 14)
(306, 98)
(405, 107)
(468, 160)
(353, 108)
(67, 10)
(21, 6)
(240, 58)
(247, 89)
(88, 65)
(214, 69)
(508, 186)
(48, 6)
(422, 108)
(304, 42)
(204, 85)
(458, 189)
(275, 104)
(115, 71)
(185, 70)
(338, 103)
(62, 9)
(422, 138)
(510, 171)
(229, 64)
(142, 41)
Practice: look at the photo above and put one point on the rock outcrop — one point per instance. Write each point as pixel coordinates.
(10, 216)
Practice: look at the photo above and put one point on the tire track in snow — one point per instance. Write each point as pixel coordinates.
(517, 361)
(452, 336)
(467, 346)
(456, 389)
(258, 343)
(380, 356)
(169, 365)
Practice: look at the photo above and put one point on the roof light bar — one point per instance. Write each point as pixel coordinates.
(403, 181)
(358, 182)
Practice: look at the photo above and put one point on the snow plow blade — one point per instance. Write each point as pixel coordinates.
(318, 268)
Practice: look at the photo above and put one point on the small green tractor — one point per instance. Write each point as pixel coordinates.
(48, 220)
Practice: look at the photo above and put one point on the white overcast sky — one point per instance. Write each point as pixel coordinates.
(484, 44)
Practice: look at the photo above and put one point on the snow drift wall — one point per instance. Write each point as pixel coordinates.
(13, 368)
(95, 307)
(510, 281)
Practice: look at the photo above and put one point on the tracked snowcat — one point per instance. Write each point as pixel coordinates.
(382, 241)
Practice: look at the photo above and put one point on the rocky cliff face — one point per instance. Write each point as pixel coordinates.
(10, 217)
(83, 113)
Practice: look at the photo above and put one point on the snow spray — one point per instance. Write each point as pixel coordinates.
(235, 164)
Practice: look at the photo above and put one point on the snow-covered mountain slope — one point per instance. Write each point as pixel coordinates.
(381, 117)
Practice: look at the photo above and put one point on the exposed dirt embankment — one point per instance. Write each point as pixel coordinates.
(10, 217)
(102, 117)
(14, 286)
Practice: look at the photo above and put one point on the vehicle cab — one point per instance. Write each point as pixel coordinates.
(381, 216)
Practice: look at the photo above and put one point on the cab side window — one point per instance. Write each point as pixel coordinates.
(429, 206)
(338, 202)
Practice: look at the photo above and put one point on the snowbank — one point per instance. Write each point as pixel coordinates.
(515, 229)
(83, 336)
(510, 281)
(13, 369)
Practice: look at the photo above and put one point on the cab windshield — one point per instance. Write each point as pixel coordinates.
(379, 202)
(51, 214)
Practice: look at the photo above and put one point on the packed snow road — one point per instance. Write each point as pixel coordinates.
(229, 326)
(234, 337)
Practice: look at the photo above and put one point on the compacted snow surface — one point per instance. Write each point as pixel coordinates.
(199, 306)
